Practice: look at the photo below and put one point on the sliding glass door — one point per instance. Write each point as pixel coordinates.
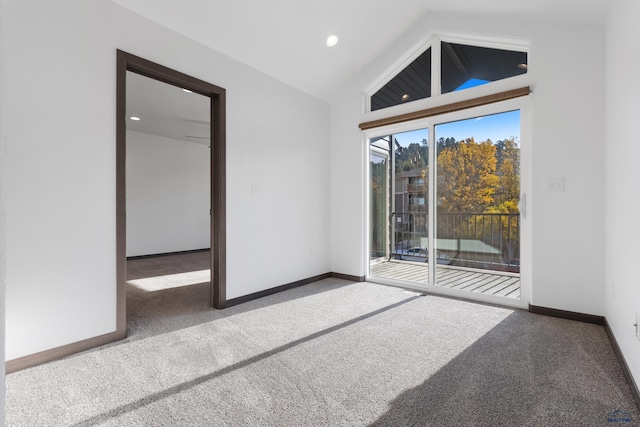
(477, 223)
(450, 219)
(399, 170)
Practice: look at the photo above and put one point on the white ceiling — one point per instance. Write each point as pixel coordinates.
(286, 38)
(166, 110)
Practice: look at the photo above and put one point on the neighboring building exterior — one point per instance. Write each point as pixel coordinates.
(411, 192)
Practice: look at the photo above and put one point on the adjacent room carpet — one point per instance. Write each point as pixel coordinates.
(332, 353)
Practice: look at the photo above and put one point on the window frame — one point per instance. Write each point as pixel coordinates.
(523, 104)
(434, 41)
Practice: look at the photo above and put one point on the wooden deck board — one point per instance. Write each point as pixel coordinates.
(490, 286)
(449, 276)
(472, 280)
(513, 286)
(464, 281)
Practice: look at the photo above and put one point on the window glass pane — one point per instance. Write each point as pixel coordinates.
(412, 83)
(410, 216)
(468, 66)
(477, 216)
(379, 197)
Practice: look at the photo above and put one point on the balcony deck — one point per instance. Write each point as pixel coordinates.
(473, 280)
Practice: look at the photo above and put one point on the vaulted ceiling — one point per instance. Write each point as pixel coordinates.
(286, 38)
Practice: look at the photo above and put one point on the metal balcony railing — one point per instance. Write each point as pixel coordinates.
(417, 208)
(479, 240)
(416, 188)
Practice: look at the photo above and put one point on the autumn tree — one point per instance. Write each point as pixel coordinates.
(467, 179)
(508, 171)
(507, 196)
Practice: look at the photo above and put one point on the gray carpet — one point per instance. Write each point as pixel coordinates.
(333, 353)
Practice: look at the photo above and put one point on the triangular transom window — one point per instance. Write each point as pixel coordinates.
(462, 64)
(411, 84)
(459, 66)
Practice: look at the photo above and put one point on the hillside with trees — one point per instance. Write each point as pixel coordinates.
(479, 177)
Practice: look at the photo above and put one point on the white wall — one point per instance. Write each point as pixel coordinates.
(167, 195)
(566, 72)
(622, 176)
(3, 225)
(60, 176)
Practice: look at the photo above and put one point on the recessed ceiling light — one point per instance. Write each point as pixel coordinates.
(406, 96)
(187, 90)
(522, 66)
(134, 118)
(332, 40)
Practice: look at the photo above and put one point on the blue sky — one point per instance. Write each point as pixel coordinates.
(495, 127)
(471, 83)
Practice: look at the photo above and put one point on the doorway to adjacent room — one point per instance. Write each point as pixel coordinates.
(214, 137)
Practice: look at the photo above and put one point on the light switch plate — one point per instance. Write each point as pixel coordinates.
(556, 185)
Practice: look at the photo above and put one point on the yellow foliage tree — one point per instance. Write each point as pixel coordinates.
(508, 191)
(467, 180)
(507, 197)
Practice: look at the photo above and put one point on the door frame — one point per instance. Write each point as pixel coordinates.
(388, 230)
(128, 62)
(519, 103)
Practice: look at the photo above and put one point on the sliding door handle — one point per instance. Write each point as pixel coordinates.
(522, 205)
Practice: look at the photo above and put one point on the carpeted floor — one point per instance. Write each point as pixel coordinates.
(333, 353)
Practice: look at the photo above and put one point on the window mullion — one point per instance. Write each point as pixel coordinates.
(431, 208)
(436, 69)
